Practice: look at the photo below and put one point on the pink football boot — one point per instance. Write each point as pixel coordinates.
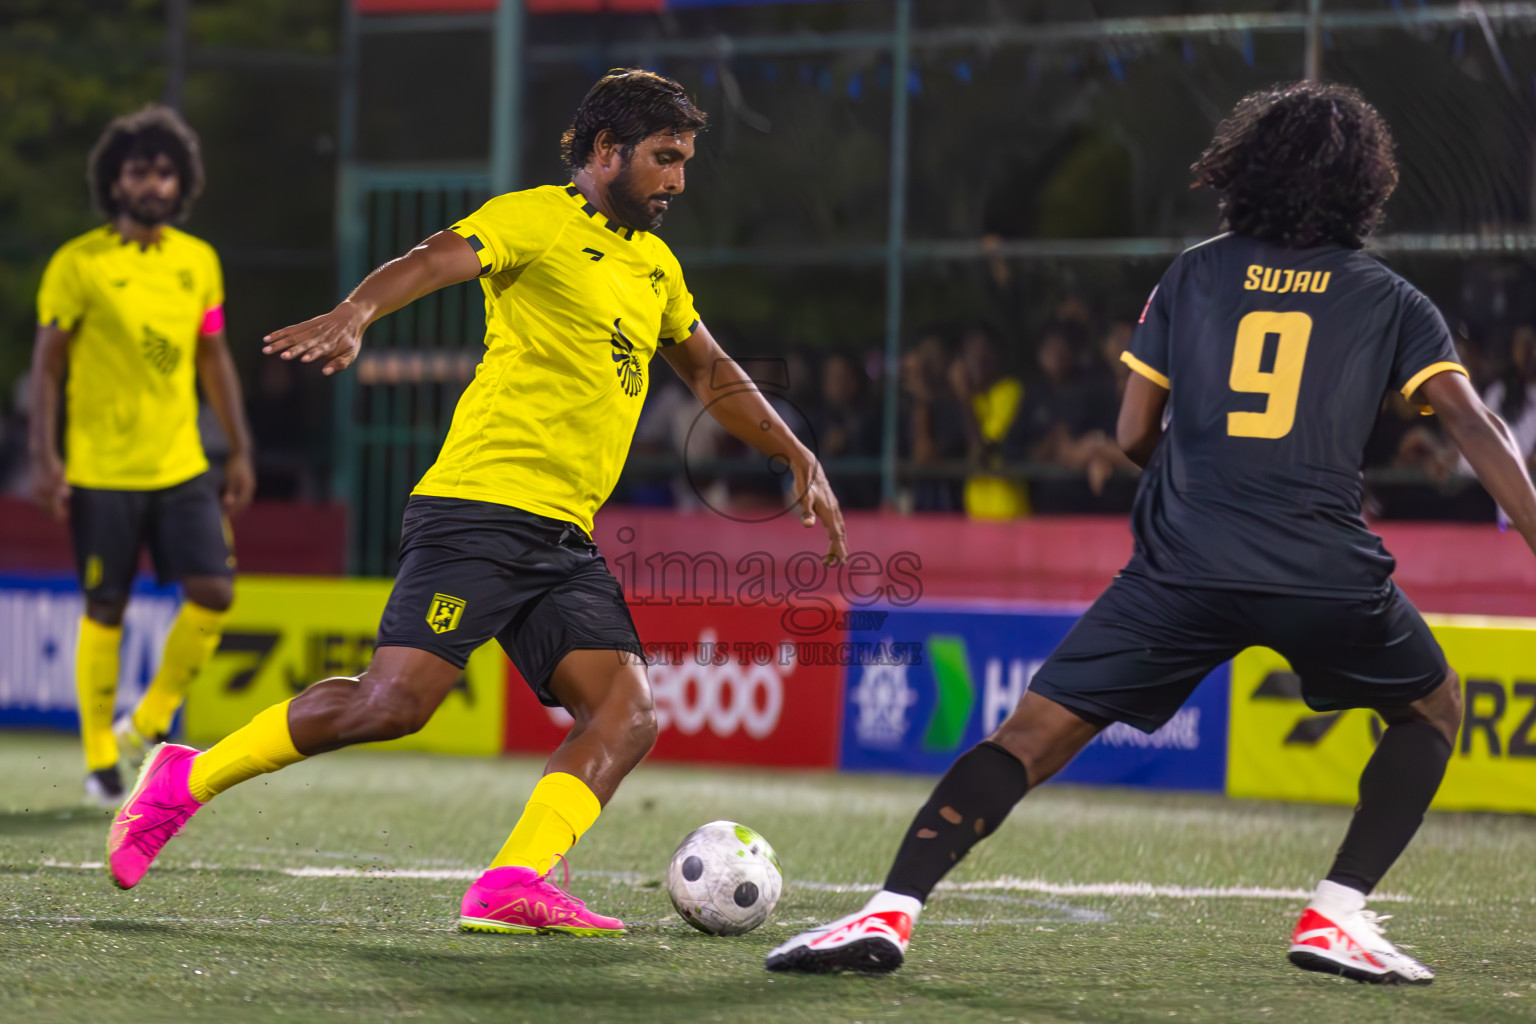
(520, 901)
(157, 809)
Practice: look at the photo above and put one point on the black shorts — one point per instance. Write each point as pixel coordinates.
(183, 527)
(1143, 647)
(471, 570)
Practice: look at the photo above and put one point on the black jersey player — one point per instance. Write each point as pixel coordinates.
(1260, 363)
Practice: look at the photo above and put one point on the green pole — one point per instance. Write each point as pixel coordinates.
(895, 243)
(1314, 56)
(507, 99)
(349, 258)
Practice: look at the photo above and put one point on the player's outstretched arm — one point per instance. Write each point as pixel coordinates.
(337, 336)
(50, 361)
(733, 399)
(1489, 449)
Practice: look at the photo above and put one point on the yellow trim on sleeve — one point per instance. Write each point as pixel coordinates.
(1160, 379)
(1417, 380)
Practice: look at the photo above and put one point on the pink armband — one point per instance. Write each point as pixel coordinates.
(213, 321)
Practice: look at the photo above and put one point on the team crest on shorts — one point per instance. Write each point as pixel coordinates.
(445, 612)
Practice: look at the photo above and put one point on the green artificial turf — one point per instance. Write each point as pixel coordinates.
(226, 929)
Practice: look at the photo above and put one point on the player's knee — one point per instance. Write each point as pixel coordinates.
(385, 709)
(397, 715)
(642, 713)
(216, 593)
(1446, 711)
(643, 726)
(1442, 709)
(631, 721)
(106, 613)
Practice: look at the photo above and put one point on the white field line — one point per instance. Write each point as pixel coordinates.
(88, 919)
(1143, 890)
(661, 925)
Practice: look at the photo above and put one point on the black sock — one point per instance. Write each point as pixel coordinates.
(967, 805)
(1396, 787)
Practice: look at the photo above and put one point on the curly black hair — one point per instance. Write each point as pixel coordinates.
(1301, 164)
(632, 103)
(148, 133)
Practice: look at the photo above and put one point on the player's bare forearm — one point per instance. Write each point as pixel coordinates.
(221, 383)
(444, 259)
(50, 361)
(738, 406)
(1499, 467)
(733, 399)
(1488, 447)
(746, 414)
(337, 336)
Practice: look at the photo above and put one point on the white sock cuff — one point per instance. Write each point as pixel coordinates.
(885, 900)
(1341, 896)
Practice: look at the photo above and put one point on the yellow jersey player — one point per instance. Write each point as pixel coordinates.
(131, 315)
(496, 538)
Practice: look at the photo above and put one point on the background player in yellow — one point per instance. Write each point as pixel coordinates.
(496, 539)
(131, 315)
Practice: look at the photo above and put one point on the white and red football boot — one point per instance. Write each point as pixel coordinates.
(1337, 935)
(871, 941)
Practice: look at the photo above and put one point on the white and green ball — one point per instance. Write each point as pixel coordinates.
(724, 878)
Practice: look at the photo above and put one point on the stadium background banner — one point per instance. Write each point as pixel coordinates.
(284, 633)
(938, 681)
(39, 630)
(1282, 750)
(733, 684)
(549, 6)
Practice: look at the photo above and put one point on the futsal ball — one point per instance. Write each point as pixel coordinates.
(724, 879)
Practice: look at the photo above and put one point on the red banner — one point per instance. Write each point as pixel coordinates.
(733, 685)
(424, 6)
(483, 6)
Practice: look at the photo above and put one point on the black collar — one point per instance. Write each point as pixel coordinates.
(593, 212)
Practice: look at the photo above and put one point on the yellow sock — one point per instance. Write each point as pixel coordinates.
(259, 746)
(558, 813)
(192, 640)
(96, 685)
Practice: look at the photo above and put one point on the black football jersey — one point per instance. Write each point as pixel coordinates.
(1276, 361)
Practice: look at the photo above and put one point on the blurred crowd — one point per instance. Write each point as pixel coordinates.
(1419, 473)
(1000, 430)
(980, 429)
(993, 424)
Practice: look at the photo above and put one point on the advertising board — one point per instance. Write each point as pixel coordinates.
(939, 680)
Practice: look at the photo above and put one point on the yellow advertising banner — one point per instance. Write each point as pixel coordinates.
(285, 633)
(1280, 749)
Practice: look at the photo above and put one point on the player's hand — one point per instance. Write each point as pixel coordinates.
(960, 381)
(49, 489)
(336, 337)
(239, 484)
(1100, 468)
(817, 501)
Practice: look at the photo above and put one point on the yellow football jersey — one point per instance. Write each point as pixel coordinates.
(136, 313)
(575, 306)
(994, 497)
